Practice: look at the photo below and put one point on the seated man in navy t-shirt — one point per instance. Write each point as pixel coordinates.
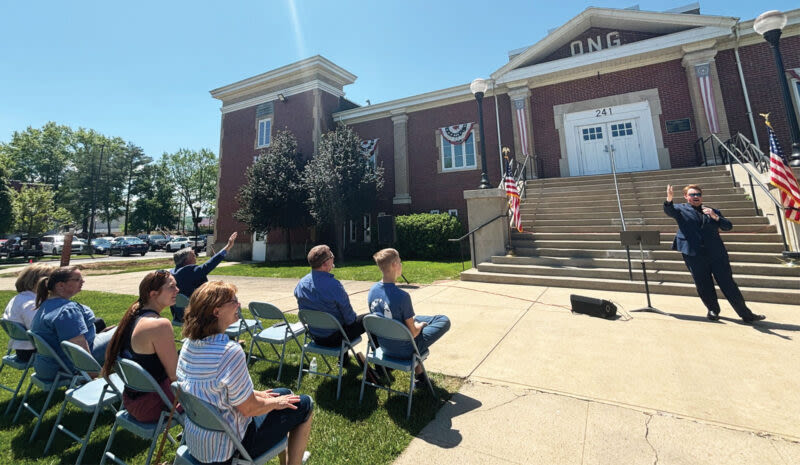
(387, 300)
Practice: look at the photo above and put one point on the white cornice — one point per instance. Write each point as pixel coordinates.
(316, 65)
(298, 89)
(630, 51)
(605, 17)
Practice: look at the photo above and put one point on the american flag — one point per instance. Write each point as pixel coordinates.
(513, 198)
(781, 176)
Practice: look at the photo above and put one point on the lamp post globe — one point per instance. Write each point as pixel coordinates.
(478, 88)
(770, 24)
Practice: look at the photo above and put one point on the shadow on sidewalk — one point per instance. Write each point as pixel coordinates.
(765, 326)
(440, 431)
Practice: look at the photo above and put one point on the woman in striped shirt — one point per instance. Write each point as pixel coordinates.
(214, 368)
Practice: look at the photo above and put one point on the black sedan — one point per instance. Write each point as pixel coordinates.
(127, 246)
(101, 245)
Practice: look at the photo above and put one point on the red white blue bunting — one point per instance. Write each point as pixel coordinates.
(458, 133)
(368, 147)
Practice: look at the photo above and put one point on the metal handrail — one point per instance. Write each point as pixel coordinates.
(472, 243)
(754, 176)
(522, 176)
(750, 152)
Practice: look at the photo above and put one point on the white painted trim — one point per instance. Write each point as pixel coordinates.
(272, 96)
(316, 62)
(598, 16)
(384, 109)
(648, 46)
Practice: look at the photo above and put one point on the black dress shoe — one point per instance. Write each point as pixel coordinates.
(755, 317)
(712, 315)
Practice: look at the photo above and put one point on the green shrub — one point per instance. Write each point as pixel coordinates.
(425, 236)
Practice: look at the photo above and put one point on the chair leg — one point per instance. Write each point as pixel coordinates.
(24, 401)
(280, 364)
(300, 372)
(55, 426)
(428, 379)
(16, 391)
(154, 441)
(341, 367)
(363, 380)
(41, 413)
(410, 391)
(109, 442)
(99, 407)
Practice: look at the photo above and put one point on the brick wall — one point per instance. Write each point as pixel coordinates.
(673, 90)
(761, 77)
(382, 129)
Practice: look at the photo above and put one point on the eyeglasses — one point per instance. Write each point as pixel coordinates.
(234, 301)
(695, 194)
(76, 279)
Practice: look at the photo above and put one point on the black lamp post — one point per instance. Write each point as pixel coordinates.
(478, 88)
(770, 24)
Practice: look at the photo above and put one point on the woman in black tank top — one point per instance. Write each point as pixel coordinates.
(147, 339)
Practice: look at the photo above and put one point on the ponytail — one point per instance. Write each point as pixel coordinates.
(46, 284)
(115, 345)
(42, 292)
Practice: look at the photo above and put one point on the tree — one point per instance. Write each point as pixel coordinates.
(341, 182)
(36, 211)
(193, 175)
(40, 155)
(273, 195)
(85, 182)
(154, 207)
(6, 199)
(135, 162)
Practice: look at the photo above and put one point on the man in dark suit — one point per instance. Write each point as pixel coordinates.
(189, 275)
(704, 253)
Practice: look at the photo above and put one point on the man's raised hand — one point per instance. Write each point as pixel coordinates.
(669, 192)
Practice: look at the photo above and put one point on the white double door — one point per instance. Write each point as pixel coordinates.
(624, 132)
(598, 142)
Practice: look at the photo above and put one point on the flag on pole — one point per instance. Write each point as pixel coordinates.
(781, 176)
(513, 198)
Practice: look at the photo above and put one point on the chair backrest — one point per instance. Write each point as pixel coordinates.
(80, 358)
(207, 417)
(15, 330)
(266, 311)
(388, 328)
(135, 377)
(320, 320)
(43, 348)
(181, 301)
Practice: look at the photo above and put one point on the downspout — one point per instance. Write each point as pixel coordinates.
(744, 86)
(499, 138)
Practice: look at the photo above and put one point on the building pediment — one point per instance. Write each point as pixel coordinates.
(597, 29)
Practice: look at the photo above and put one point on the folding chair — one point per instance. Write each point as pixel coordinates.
(208, 417)
(16, 332)
(242, 326)
(280, 333)
(135, 377)
(387, 328)
(181, 302)
(322, 320)
(63, 378)
(86, 394)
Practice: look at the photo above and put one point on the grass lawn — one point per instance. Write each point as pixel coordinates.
(344, 431)
(422, 272)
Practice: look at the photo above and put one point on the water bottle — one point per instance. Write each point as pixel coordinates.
(312, 366)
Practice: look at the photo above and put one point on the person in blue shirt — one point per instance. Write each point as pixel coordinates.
(387, 300)
(189, 275)
(60, 319)
(319, 290)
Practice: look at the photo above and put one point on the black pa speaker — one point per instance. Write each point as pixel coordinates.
(593, 307)
(386, 230)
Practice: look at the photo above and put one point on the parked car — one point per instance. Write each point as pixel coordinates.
(102, 245)
(156, 241)
(177, 243)
(128, 245)
(17, 246)
(198, 243)
(54, 244)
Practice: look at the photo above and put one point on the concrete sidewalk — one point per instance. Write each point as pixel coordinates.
(546, 386)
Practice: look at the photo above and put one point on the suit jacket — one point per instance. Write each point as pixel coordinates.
(697, 231)
(190, 277)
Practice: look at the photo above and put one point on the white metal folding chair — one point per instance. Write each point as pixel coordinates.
(16, 332)
(278, 334)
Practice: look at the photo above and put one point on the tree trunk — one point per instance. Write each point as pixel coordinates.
(289, 244)
(340, 237)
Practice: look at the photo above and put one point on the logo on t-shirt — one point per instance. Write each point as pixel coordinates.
(379, 306)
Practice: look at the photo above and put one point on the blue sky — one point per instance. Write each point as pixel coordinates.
(142, 70)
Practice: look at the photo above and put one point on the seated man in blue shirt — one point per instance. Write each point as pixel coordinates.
(189, 275)
(387, 300)
(319, 290)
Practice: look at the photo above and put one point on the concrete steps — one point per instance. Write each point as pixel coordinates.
(572, 226)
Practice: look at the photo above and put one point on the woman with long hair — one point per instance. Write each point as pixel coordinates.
(60, 319)
(214, 368)
(22, 307)
(147, 339)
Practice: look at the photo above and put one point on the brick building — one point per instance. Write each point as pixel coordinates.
(646, 85)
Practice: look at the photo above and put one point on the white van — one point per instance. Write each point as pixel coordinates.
(53, 245)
